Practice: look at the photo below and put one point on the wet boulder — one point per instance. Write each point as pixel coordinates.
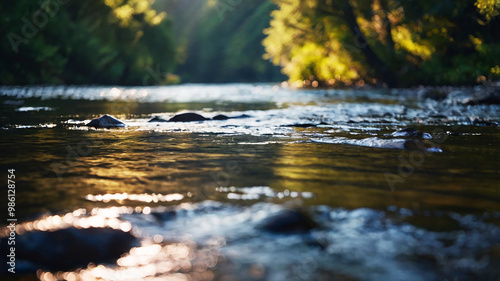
(193, 117)
(70, 248)
(187, 117)
(225, 117)
(106, 121)
(421, 146)
(288, 222)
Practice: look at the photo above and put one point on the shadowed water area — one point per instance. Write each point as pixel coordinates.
(194, 200)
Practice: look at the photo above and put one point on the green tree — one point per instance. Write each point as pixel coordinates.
(385, 41)
(220, 40)
(84, 42)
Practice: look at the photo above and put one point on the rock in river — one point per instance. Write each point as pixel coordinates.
(106, 121)
(193, 117)
(412, 132)
(225, 117)
(220, 117)
(288, 222)
(187, 117)
(70, 248)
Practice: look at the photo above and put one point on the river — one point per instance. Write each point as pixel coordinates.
(193, 195)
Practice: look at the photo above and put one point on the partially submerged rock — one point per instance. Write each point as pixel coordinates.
(70, 248)
(238, 116)
(106, 121)
(306, 125)
(187, 117)
(288, 222)
(220, 117)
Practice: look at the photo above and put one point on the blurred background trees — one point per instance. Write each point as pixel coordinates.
(399, 43)
(221, 41)
(312, 42)
(83, 42)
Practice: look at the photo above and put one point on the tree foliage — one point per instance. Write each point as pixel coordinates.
(220, 40)
(76, 42)
(346, 42)
(385, 41)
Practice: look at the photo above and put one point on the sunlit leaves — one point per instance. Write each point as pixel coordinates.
(308, 47)
(488, 8)
(125, 10)
(412, 43)
(424, 42)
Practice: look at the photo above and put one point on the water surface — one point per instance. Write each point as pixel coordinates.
(385, 213)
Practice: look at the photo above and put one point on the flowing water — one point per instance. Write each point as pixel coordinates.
(195, 194)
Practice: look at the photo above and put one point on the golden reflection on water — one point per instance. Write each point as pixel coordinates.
(155, 259)
(353, 177)
(147, 198)
(173, 261)
(80, 218)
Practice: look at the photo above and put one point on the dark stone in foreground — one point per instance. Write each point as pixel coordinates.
(106, 121)
(187, 117)
(69, 248)
(288, 222)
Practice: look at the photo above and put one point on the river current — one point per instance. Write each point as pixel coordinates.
(194, 195)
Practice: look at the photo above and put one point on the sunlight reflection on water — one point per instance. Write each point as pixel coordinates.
(194, 194)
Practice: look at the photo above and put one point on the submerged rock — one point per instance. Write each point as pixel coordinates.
(412, 132)
(432, 93)
(240, 116)
(225, 117)
(70, 248)
(288, 222)
(187, 117)
(305, 125)
(106, 121)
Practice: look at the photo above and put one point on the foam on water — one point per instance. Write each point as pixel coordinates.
(361, 244)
